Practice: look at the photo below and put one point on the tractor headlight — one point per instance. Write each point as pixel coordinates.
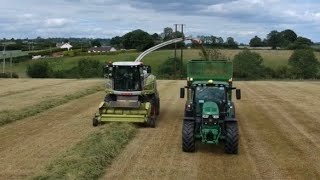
(215, 116)
(205, 116)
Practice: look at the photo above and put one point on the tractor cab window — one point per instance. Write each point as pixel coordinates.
(209, 93)
(127, 78)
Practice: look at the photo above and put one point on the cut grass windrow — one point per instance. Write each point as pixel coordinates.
(89, 158)
(8, 116)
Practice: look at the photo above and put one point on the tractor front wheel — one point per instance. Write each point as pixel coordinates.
(232, 138)
(188, 137)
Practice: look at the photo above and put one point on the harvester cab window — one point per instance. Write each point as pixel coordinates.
(127, 78)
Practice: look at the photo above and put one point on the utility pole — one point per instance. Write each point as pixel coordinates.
(175, 52)
(4, 58)
(11, 64)
(181, 57)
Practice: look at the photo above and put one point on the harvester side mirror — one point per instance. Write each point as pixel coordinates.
(181, 92)
(238, 93)
(147, 68)
(107, 70)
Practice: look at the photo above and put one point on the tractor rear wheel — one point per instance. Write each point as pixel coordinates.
(232, 138)
(188, 137)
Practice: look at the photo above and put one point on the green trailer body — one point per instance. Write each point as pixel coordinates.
(202, 70)
(209, 110)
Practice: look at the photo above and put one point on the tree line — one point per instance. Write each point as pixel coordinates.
(286, 39)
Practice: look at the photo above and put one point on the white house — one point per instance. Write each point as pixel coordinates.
(64, 46)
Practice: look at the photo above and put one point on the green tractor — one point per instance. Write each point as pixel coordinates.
(209, 113)
(131, 95)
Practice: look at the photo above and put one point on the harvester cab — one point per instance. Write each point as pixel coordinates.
(131, 94)
(209, 110)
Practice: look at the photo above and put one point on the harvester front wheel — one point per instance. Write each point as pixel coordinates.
(95, 122)
(188, 137)
(152, 119)
(151, 122)
(232, 138)
(158, 106)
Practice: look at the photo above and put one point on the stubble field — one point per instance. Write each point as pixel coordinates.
(279, 129)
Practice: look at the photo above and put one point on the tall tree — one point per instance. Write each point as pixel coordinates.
(303, 64)
(289, 35)
(168, 33)
(273, 39)
(137, 39)
(255, 42)
(96, 43)
(230, 43)
(248, 64)
(220, 40)
(116, 41)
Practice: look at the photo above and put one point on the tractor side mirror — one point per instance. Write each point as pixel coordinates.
(181, 92)
(238, 93)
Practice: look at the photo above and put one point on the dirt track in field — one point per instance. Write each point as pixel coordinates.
(279, 137)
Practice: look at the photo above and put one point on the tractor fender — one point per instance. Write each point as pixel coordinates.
(188, 118)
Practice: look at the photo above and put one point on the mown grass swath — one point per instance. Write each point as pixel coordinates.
(8, 116)
(88, 159)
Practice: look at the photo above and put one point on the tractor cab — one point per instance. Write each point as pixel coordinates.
(126, 76)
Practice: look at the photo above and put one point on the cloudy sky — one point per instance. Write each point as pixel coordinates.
(241, 19)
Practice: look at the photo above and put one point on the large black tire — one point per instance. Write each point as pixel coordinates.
(188, 137)
(233, 110)
(152, 120)
(95, 122)
(158, 107)
(232, 138)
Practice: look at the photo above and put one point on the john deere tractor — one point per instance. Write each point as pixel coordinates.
(131, 95)
(209, 114)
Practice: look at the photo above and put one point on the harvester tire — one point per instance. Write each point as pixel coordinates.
(158, 107)
(188, 137)
(95, 122)
(152, 119)
(232, 138)
(151, 122)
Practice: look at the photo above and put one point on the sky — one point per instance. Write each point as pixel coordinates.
(241, 19)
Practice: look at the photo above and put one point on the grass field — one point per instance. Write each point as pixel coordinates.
(272, 58)
(13, 53)
(278, 121)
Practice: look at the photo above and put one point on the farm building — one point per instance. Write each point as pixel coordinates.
(101, 49)
(64, 45)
